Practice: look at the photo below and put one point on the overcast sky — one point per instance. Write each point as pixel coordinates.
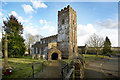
(41, 18)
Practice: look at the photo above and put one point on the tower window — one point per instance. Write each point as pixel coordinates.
(63, 21)
(73, 21)
(73, 49)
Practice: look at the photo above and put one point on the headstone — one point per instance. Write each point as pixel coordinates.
(43, 56)
(33, 56)
(38, 56)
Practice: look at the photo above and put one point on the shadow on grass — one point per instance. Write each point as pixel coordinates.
(22, 70)
(93, 74)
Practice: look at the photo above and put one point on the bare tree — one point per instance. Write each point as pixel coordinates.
(37, 37)
(96, 42)
(31, 39)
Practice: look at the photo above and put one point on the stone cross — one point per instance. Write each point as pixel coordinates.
(6, 53)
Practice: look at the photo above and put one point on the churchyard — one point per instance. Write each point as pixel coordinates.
(58, 56)
(22, 67)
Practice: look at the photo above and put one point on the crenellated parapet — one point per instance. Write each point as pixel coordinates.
(68, 8)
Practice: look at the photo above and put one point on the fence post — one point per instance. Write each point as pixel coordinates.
(62, 74)
(67, 68)
(33, 70)
(42, 66)
(73, 72)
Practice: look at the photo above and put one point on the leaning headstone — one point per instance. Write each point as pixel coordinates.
(33, 56)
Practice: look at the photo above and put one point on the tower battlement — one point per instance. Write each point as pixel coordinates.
(68, 8)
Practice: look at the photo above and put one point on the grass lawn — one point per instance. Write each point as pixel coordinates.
(89, 57)
(22, 67)
(86, 57)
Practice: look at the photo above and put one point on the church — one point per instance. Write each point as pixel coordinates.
(63, 45)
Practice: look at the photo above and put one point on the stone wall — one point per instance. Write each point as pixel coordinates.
(52, 45)
(72, 33)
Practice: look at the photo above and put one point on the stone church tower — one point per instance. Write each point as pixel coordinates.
(67, 32)
(62, 45)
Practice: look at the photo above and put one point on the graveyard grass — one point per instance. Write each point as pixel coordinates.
(89, 57)
(22, 67)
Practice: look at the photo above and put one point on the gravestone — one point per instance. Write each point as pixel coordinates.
(38, 56)
(33, 56)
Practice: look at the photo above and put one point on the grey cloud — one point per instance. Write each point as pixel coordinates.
(109, 23)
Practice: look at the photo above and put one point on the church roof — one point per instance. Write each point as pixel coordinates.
(53, 36)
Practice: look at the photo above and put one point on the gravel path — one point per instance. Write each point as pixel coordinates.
(53, 70)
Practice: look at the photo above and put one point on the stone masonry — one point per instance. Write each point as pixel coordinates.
(65, 42)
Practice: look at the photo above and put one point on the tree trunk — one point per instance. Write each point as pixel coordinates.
(96, 52)
(29, 49)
